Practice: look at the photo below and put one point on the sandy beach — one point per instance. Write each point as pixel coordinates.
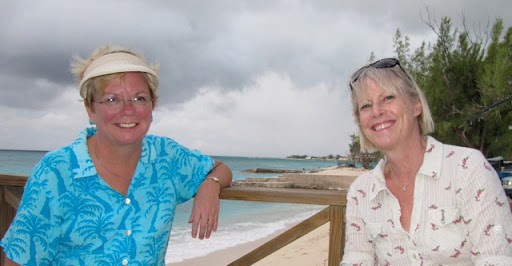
(311, 249)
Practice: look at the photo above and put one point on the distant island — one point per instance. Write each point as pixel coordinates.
(309, 157)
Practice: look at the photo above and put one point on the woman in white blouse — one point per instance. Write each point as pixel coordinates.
(425, 202)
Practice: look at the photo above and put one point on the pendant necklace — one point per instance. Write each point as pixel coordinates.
(395, 178)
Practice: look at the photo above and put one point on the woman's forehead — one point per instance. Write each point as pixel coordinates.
(369, 87)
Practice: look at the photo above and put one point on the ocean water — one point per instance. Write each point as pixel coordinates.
(240, 221)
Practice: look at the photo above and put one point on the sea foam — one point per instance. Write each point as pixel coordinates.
(182, 246)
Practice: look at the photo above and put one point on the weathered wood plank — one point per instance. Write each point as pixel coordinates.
(343, 228)
(286, 195)
(284, 239)
(7, 214)
(13, 180)
(12, 196)
(336, 232)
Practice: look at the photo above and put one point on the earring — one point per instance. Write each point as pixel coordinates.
(91, 122)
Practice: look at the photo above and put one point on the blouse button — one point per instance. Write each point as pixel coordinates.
(124, 262)
(128, 232)
(127, 201)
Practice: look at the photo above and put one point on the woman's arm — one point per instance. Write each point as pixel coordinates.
(205, 213)
(485, 210)
(9, 262)
(358, 250)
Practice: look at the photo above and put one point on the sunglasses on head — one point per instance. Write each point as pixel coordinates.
(382, 63)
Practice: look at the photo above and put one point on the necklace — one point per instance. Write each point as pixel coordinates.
(395, 178)
(104, 166)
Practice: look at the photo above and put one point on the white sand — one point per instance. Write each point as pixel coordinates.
(311, 249)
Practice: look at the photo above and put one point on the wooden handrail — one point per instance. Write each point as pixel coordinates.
(337, 201)
(285, 195)
(13, 180)
(11, 189)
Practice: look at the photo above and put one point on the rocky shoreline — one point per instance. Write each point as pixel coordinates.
(271, 171)
(330, 179)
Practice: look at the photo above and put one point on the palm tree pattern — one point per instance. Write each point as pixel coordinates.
(69, 216)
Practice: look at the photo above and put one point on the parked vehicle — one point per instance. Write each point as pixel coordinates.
(506, 177)
(507, 185)
(504, 170)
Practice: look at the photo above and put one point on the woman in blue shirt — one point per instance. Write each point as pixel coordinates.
(109, 197)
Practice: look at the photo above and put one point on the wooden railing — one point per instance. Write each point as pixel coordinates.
(11, 190)
(334, 213)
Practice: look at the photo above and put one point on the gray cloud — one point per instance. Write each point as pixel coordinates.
(204, 46)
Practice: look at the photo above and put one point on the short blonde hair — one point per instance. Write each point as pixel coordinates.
(107, 63)
(396, 80)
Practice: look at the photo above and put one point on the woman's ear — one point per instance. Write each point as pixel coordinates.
(417, 107)
(90, 113)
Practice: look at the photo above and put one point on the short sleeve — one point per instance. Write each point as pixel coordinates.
(33, 235)
(192, 167)
(358, 248)
(485, 209)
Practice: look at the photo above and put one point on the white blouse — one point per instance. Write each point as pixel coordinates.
(460, 216)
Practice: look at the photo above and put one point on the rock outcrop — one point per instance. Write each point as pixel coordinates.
(271, 171)
(296, 180)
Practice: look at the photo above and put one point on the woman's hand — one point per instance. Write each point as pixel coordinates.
(205, 213)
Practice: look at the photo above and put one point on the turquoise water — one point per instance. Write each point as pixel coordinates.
(22, 162)
(240, 221)
(19, 162)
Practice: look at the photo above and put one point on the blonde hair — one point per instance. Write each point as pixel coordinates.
(397, 81)
(93, 81)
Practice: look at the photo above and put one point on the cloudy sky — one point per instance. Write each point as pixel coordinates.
(239, 78)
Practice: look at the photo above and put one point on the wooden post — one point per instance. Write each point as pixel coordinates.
(336, 234)
(7, 215)
(3, 222)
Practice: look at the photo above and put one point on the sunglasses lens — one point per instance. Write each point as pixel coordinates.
(358, 73)
(383, 63)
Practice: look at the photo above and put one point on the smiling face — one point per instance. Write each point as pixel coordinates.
(128, 124)
(388, 119)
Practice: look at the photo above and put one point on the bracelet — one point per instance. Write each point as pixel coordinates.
(215, 179)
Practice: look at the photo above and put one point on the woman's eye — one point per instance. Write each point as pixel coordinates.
(365, 106)
(390, 97)
(111, 100)
(140, 99)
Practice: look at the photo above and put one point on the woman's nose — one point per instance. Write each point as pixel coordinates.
(377, 110)
(128, 106)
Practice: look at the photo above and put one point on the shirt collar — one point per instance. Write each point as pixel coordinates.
(85, 166)
(379, 181)
(433, 158)
(430, 167)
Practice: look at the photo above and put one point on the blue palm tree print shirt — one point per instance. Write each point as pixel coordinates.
(69, 216)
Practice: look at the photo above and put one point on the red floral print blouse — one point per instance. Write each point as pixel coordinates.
(460, 216)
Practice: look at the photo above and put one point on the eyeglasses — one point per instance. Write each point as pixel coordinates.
(115, 102)
(382, 63)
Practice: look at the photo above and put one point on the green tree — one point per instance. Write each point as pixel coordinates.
(357, 155)
(468, 85)
(355, 146)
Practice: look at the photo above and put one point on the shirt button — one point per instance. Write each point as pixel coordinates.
(128, 232)
(127, 201)
(124, 262)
